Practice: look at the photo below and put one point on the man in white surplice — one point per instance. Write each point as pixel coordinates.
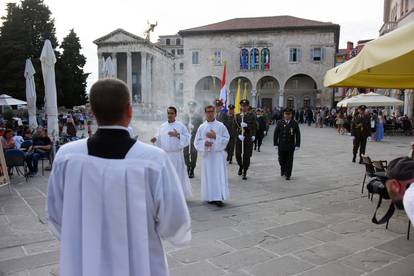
(173, 137)
(211, 141)
(111, 199)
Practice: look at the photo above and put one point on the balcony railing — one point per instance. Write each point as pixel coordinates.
(388, 27)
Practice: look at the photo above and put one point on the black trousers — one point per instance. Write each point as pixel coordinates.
(190, 157)
(230, 148)
(361, 144)
(286, 161)
(248, 150)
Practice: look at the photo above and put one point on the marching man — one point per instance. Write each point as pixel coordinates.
(172, 137)
(211, 140)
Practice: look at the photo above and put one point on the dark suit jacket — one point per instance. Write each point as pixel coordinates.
(287, 136)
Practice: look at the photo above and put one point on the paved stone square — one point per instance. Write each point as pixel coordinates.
(316, 224)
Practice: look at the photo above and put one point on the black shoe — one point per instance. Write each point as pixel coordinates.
(240, 171)
(360, 161)
(353, 160)
(219, 203)
(258, 149)
(211, 202)
(230, 162)
(191, 174)
(287, 177)
(244, 177)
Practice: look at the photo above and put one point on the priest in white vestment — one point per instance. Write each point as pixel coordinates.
(173, 137)
(111, 199)
(211, 141)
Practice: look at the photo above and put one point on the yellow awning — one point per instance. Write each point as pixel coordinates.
(386, 62)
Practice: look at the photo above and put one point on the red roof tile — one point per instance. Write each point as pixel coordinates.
(259, 23)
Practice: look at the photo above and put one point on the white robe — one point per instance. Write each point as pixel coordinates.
(214, 180)
(110, 215)
(174, 148)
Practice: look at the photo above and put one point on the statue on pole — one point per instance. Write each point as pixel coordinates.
(151, 28)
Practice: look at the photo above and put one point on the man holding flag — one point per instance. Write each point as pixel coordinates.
(246, 126)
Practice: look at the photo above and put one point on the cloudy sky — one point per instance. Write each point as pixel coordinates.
(92, 19)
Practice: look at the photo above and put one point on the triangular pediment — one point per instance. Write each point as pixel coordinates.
(119, 36)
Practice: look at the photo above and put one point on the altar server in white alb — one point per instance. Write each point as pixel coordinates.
(211, 141)
(173, 137)
(111, 199)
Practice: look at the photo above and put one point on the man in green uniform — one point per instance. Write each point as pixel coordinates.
(192, 120)
(246, 128)
(360, 131)
(231, 126)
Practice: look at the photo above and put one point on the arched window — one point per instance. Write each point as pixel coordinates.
(306, 102)
(178, 41)
(244, 59)
(265, 59)
(167, 41)
(254, 58)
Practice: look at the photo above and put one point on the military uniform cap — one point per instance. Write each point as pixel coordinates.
(288, 110)
(362, 107)
(231, 106)
(218, 102)
(244, 102)
(192, 103)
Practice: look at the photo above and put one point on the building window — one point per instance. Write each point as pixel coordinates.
(406, 5)
(181, 87)
(181, 66)
(178, 41)
(217, 57)
(317, 54)
(265, 59)
(168, 41)
(244, 59)
(180, 52)
(196, 57)
(294, 54)
(254, 58)
(173, 51)
(306, 102)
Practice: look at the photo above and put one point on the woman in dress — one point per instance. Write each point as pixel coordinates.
(340, 119)
(379, 127)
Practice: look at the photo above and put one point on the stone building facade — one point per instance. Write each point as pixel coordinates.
(144, 66)
(280, 61)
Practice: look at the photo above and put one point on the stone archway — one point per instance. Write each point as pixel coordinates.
(206, 90)
(300, 91)
(267, 92)
(245, 83)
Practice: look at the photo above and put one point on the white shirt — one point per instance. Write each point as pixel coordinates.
(408, 202)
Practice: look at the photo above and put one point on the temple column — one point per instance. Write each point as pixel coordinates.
(129, 72)
(144, 77)
(115, 63)
(149, 78)
(100, 65)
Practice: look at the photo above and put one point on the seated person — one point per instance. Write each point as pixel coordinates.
(27, 134)
(40, 149)
(7, 140)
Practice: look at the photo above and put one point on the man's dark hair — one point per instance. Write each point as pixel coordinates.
(208, 107)
(109, 98)
(172, 108)
(401, 168)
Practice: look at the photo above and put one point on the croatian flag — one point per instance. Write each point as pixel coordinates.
(223, 91)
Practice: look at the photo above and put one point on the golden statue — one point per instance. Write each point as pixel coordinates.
(151, 27)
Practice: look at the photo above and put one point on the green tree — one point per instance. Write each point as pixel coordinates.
(24, 29)
(73, 78)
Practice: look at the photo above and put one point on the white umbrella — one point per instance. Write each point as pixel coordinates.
(8, 100)
(48, 61)
(373, 99)
(29, 72)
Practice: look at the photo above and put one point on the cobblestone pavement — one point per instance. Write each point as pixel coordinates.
(316, 224)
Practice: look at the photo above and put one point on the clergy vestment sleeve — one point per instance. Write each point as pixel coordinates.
(173, 218)
(222, 139)
(55, 199)
(199, 140)
(184, 136)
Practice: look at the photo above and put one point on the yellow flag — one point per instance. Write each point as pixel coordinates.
(245, 91)
(237, 101)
